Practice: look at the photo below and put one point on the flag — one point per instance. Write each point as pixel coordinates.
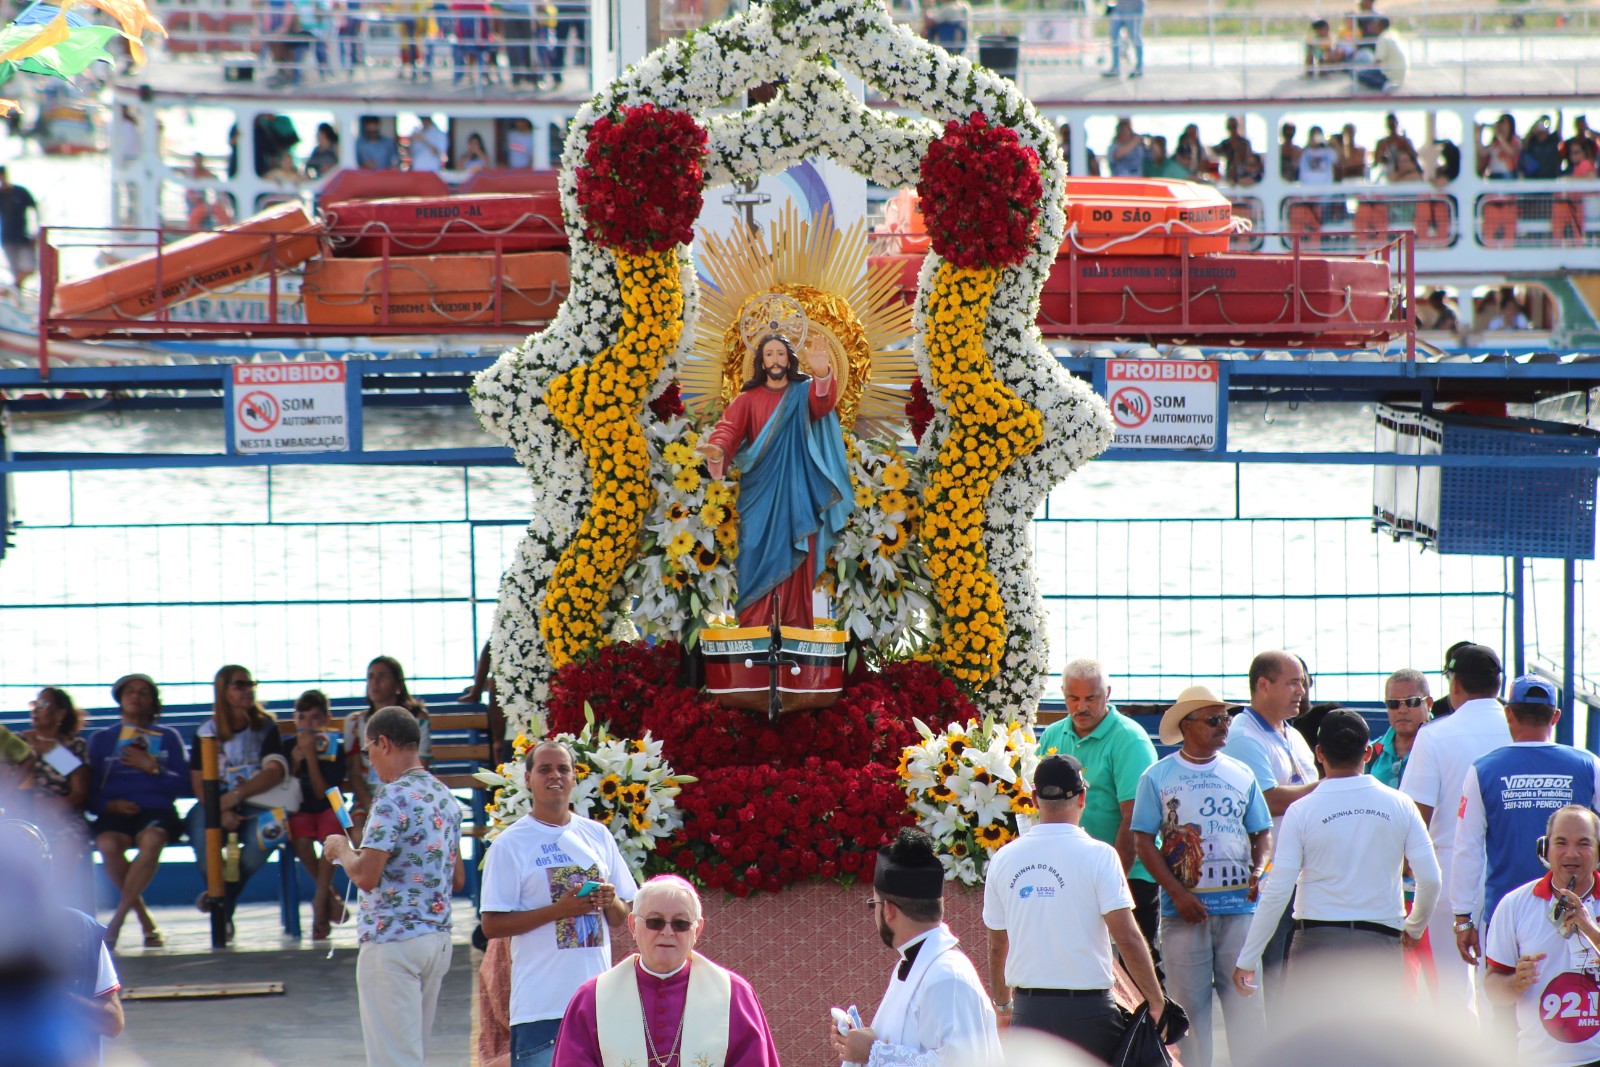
(336, 799)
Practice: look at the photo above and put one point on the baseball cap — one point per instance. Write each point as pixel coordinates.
(1532, 689)
(1343, 726)
(1472, 659)
(1058, 778)
(116, 686)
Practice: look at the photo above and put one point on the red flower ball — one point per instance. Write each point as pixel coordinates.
(640, 187)
(980, 193)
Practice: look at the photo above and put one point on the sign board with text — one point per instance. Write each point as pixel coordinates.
(288, 408)
(1166, 403)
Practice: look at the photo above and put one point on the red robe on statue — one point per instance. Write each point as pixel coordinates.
(740, 424)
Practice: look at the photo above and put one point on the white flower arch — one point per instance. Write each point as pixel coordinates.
(813, 115)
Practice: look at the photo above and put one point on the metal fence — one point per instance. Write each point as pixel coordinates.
(302, 591)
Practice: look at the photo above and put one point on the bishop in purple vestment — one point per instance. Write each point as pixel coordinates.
(666, 1005)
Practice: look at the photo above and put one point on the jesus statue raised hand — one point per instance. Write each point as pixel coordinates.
(795, 495)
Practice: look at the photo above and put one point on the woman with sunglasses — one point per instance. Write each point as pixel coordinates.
(1405, 697)
(250, 752)
(548, 880)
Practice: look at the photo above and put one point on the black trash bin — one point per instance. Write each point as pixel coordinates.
(1000, 52)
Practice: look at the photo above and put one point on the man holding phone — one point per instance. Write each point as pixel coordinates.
(549, 880)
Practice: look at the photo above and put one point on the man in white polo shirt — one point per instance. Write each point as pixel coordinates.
(1443, 752)
(556, 884)
(1341, 856)
(1054, 900)
(1541, 954)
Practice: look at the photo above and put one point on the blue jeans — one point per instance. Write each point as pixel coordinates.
(1133, 26)
(252, 857)
(534, 1044)
(1199, 959)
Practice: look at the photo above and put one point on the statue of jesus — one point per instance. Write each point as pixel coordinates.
(795, 494)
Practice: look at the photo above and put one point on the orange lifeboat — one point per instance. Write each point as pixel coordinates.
(277, 239)
(1146, 217)
(379, 184)
(456, 290)
(429, 225)
(506, 180)
(902, 219)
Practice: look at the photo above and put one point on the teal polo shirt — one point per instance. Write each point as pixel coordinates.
(1114, 757)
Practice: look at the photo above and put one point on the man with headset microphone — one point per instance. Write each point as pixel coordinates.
(1537, 959)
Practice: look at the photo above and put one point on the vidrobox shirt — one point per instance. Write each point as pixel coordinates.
(1048, 890)
(1558, 1016)
(1114, 757)
(1202, 815)
(529, 866)
(1506, 799)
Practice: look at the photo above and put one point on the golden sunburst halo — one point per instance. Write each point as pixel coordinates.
(858, 312)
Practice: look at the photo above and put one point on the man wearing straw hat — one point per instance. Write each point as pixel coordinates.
(1202, 829)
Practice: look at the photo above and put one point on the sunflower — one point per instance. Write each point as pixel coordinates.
(676, 512)
(687, 480)
(678, 454)
(582, 771)
(639, 820)
(947, 769)
(706, 558)
(894, 500)
(603, 817)
(864, 496)
(609, 786)
(958, 849)
(680, 579)
(993, 836)
(892, 542)
(679, 545)
(895, 476)
(713, 515)
(1022, 804)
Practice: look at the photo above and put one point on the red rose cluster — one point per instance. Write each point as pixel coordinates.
(640, 186)
(980, 193)
(669, 405)
(813, 796)
(919, 409)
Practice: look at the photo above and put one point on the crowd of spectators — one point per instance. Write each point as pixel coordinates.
(523, 44)
(117, 788)
(1327, 159)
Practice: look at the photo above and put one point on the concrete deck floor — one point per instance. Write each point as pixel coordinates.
(315, 1021)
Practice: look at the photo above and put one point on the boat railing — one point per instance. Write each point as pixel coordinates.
(1539, 218)
(283, 44)
(153, 272)
(1345, 221)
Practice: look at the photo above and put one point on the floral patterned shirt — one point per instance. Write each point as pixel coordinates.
(418, 822)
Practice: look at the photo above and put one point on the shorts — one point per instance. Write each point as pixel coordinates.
(132, 825)
(317, 825)
(24, 259)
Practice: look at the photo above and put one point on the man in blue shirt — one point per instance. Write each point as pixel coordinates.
(1202, 829)
(374, 151)
(1506, 799)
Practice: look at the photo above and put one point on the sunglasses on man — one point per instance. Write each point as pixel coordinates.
(679, 926)
(1410, 702)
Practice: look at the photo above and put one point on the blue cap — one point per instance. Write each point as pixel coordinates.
(1532, 689)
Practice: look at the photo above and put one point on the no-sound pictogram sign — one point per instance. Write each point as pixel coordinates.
(1165, 403)
(1130, 406)
(258, 412)
(289, 407)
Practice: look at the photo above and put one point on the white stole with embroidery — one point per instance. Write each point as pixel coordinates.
(619, 1016)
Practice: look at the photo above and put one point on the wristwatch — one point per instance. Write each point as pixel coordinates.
(1464, 923)
(1004, 1007)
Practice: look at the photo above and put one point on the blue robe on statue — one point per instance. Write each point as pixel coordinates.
(795, 495)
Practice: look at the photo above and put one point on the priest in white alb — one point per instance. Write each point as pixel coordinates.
(935, 1012)
(666, 1005)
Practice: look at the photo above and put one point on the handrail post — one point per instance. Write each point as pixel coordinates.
(211, 797)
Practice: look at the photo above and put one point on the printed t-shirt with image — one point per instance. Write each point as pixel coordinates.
(243, 754)
(532, 864)
(1558, 1016)
(1202, 816)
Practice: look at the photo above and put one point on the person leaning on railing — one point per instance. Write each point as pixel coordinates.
(137, 768)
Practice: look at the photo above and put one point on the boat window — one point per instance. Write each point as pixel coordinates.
(1513, 308)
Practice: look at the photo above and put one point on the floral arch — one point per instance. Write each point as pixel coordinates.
(573, 402)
